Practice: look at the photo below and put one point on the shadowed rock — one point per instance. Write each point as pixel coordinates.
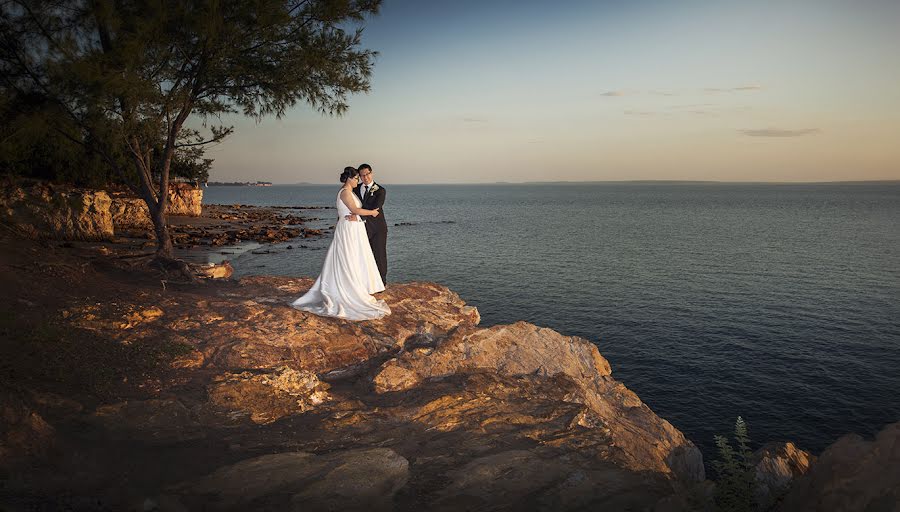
(851, 475)
(23, 432)
(363, 479)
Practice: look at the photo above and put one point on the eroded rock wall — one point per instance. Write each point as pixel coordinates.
(42, 210)
(185, 199)
(129, 213)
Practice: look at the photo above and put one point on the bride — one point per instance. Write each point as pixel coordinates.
(349, 275)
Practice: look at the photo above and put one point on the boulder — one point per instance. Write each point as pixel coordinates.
(44, 211)
(851, 475)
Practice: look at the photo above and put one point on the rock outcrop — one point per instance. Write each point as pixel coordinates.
(185, 199)
(353, 480)
(777, 466)
(645, 441)
(851, 475)
(129, 395)
(41, 210)
(276, 408)
(44, 210)
(129, 213)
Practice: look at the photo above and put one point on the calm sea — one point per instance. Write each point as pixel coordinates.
(779, 303)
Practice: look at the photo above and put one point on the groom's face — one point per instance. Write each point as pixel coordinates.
(366, 175)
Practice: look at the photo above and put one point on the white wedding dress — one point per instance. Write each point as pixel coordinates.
(349, 275)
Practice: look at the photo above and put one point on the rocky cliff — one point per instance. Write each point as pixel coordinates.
(255, 405)
(119, 392)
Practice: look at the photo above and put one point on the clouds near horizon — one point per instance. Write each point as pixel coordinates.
(605, 91)
(776, 132)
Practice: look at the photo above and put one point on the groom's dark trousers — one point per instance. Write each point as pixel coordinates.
(376, 227)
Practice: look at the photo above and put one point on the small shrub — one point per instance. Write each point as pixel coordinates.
(734, 487)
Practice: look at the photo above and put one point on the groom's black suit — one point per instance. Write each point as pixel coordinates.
(376, 227)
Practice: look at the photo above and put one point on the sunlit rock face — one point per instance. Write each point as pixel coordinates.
(129, 213)
(777, 465)
(185, 199)
(42, 210)
(643, 440)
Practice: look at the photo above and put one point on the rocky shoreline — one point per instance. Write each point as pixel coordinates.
(120, 392)
(227, 225)
(120, 223)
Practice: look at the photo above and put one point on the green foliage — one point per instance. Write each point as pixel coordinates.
(123, 78)
(32, 146)
(734, 488)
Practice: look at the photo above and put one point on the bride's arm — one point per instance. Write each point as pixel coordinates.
(348, 202)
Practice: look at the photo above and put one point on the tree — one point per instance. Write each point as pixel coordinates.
(128, 75)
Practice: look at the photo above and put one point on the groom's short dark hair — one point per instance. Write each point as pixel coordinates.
(360, 167)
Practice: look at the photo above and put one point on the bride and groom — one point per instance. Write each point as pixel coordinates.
(356, 264)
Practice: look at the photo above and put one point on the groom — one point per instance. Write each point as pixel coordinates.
(372, 196)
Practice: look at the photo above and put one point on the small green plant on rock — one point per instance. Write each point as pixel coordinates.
(734, 488)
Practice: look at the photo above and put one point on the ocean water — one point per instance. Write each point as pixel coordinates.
(776, 302)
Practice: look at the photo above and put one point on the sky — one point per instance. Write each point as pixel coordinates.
(521, 91)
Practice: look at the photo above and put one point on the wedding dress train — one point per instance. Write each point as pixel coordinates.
(349, 275)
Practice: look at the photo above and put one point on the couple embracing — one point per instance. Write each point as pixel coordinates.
(356, 264)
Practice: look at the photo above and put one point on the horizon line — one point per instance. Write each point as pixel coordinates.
(895, 180)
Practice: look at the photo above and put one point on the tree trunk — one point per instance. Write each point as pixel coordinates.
(156, 205)
(164, 249)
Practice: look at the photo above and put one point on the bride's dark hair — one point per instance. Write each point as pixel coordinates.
(348, 173)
